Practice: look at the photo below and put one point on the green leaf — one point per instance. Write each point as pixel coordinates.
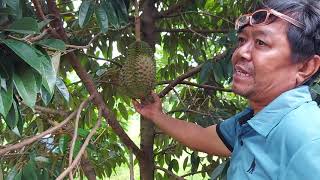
(43, 174)
(167, 158)
(121, 11)
(83, 133)
(195, 161)
(111, 12)
(62, 88)
(45, 95)
(38, 79)
(7, 11)
(77, 147)
(218, 72)
(205, 72)
(123, 111)
(54, 44)
(63, 143)
(29, 171)
(1, 173)
(6, 99)
(185, 163)
(13, 174)
(16, 6)
(49, 76)
(316, 88)
(26, 25)
(3, 83)
(85, 12)
(27, 53)
(20, 122)
(55, 59)
(25, 83)
(175, 165)
(160, 160)
(13, 116)
(102, 18)
(218, 170)
(40, 125)
(43, 23)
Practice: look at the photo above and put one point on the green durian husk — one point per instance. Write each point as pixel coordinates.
(137, 76)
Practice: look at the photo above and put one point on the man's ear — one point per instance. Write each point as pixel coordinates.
(307, 69)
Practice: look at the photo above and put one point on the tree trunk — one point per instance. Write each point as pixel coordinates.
(147, 140)
(147, 130)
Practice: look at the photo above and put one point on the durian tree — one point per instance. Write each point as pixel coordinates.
(69, 69)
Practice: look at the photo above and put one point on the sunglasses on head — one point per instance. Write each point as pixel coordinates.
(261, 17)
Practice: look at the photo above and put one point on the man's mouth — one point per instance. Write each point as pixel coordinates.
(241, 71)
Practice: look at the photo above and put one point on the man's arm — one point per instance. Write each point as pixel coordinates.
(189, 134)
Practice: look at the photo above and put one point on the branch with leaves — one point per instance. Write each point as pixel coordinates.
(76, 161)
(186, 75)
(75, 135)
(178, 7)
(200, 31)
(32, 139)
(174, 176)
(197, 85)
(90, 86)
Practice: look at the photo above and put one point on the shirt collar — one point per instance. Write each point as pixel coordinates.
(270, 116)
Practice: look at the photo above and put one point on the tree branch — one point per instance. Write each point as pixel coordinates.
(86, 46)
(173, 83)
(39, 136)
(188, 74)
(99, 58)
(190, 111)
(201, 31)
(169, 173)
(191, 29)
(197, 85)
(83, 148)
(74, 137)
(199, 13)
(193, 173)
(174, 8)
(165, 149)
(90, 86)
(50, 111)
(38, 9)
(39, 37)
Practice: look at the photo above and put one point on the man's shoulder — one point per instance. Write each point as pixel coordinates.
(300, 126)
(305, 116)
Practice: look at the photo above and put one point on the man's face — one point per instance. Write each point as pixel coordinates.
(262, 62)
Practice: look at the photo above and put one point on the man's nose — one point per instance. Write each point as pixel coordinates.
(245, 51)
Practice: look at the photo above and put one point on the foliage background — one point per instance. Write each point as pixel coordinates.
(54, 54)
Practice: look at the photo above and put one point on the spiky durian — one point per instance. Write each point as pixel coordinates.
(137, 76)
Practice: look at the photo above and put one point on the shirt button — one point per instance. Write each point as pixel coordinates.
(241, 142)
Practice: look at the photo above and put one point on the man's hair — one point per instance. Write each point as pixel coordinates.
(303, 43)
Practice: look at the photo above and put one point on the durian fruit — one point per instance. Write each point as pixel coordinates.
(137, 76)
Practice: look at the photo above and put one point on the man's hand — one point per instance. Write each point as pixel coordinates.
(149, 111)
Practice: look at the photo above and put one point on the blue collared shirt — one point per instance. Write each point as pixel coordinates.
(281, 142)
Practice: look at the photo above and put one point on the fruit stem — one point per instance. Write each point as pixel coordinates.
(137, 21)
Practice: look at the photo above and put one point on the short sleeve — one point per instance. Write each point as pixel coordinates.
(226, 130)
(305, 163)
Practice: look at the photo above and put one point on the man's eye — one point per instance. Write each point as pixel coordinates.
(241, 40)
(260, 42)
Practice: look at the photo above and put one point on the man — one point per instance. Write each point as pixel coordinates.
(278, 136)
